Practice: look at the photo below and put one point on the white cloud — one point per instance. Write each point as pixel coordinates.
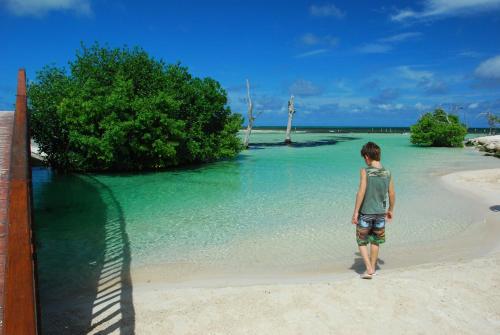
(311, 53)
(312, 39)
(383, 45)
(403, 14)
(375, 48)
(326, 10)
(433, 86)
(425, 80)
(304, 88)
(42, 7)
(400, 37)
(341, 85)
(269, 104)
(489, 69)
(421, 107)
(412, 74)
(443, 8)
(388, 107)
(473, 105)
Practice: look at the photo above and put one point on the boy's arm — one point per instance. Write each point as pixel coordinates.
(392, 199)
(359, 196)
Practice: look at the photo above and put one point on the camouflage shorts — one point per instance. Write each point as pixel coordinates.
(370, 229)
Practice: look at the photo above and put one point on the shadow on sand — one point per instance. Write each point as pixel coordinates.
(359, 266)
(83, 258)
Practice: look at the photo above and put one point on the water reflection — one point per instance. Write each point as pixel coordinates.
(84, 262)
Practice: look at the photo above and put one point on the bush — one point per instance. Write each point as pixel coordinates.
(438, 129)
(119, 109)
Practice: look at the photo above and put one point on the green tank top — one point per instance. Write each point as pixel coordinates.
(377, 186)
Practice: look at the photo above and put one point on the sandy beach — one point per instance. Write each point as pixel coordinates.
(452, 298)
(457, 296)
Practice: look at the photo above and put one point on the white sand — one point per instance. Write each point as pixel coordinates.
(455, 298)
(482, 184)
(461, 296)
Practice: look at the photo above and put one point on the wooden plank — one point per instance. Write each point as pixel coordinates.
(6, 126)
(20, 315)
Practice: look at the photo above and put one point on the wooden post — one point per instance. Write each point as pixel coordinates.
(291, 112)
(20, 313)
(251, 118)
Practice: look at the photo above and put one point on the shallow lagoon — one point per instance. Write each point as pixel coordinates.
(274, 207)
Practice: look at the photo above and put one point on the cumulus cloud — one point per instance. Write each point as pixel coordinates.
(433, 9)
(304, 88)
(489, 69)
(42, 7)
(326, 10)
(487, 74)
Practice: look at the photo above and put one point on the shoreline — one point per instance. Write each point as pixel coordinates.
(457, 293)
(468, 244)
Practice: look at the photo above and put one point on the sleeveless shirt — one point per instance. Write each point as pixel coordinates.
(377, 187)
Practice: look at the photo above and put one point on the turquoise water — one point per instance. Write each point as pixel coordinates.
(274, 206)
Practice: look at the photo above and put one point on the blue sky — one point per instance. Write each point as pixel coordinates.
(365, 63)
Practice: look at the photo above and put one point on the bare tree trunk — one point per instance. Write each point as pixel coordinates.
(250, 116)
(291, 111)
(492, 122)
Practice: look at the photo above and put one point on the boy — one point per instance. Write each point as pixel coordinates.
(370, 210)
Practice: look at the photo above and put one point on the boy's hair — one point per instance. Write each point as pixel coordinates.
(371, 150)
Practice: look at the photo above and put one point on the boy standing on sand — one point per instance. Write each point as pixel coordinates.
(370, 211)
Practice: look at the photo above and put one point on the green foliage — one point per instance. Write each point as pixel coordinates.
(119, 109)
(438, 129)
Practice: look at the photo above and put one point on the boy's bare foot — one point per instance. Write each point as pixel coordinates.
(366, 275)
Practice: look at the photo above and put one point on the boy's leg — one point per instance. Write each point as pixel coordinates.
(376, 238)
(363, 250)
(362, 231)
(374, 256)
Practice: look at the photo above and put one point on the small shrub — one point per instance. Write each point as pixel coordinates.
(438, 129)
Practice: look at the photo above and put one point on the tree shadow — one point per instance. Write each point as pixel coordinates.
(302, 144)
(198, 167)
(83, 255)
(359, 266)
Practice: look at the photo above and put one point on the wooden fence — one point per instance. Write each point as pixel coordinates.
(20, 298)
